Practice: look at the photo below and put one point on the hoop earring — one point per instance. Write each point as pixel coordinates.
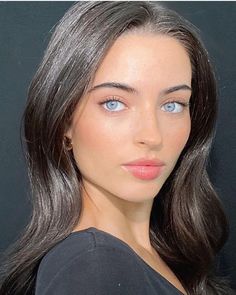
(68, 143)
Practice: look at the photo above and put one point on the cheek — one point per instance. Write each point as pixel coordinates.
(95, 140)
(176, 136)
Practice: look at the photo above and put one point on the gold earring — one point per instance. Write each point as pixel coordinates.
(68, 143)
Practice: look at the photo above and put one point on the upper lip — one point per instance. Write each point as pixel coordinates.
(146, 162)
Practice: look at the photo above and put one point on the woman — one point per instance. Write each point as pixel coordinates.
(119, 123)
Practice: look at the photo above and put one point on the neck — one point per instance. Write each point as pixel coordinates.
(128, 221)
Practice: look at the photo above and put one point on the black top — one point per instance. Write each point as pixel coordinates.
(94, 262)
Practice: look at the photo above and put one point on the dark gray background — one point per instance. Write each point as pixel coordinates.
(24, 33)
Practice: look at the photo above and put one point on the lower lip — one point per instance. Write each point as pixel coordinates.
(144, 172)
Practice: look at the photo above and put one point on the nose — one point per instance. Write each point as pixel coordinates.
(148, 131)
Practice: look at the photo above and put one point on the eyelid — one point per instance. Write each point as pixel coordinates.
(182, 102)
(178, 100)
(113, 97)
(110, 98)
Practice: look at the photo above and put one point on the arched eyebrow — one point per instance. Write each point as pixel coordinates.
(132, 90)
(175, 88)
(117, 85)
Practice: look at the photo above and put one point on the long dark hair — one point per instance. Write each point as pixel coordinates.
(188, 225)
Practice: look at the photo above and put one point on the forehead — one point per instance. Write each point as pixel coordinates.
(145, 59)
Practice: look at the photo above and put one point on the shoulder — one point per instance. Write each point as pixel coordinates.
(88, 260)
(65, 251)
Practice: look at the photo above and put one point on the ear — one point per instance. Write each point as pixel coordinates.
(68, 132)
(67, 141)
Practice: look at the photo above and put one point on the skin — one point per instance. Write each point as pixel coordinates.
(141, 126)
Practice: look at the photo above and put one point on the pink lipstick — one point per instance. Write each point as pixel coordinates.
(145, 169)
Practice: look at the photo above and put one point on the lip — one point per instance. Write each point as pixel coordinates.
(144, 172)
(145, 162)
(145, 169)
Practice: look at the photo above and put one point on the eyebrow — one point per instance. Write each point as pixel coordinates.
(132, 90)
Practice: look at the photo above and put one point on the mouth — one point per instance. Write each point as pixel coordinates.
(144, 172)
(146, 162)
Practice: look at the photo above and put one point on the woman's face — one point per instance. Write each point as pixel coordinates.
(143, 123)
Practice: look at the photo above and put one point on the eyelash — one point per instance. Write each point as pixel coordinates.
(113, 98)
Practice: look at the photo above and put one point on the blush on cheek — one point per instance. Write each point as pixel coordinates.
(177, 136)
(89, 138)
(181, 140)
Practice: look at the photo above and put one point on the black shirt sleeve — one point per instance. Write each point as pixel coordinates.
(98, 271)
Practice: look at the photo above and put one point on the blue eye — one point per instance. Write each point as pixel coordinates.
(112, 104)
(175, 107)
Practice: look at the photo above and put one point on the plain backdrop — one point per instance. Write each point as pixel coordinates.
(25, 28)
